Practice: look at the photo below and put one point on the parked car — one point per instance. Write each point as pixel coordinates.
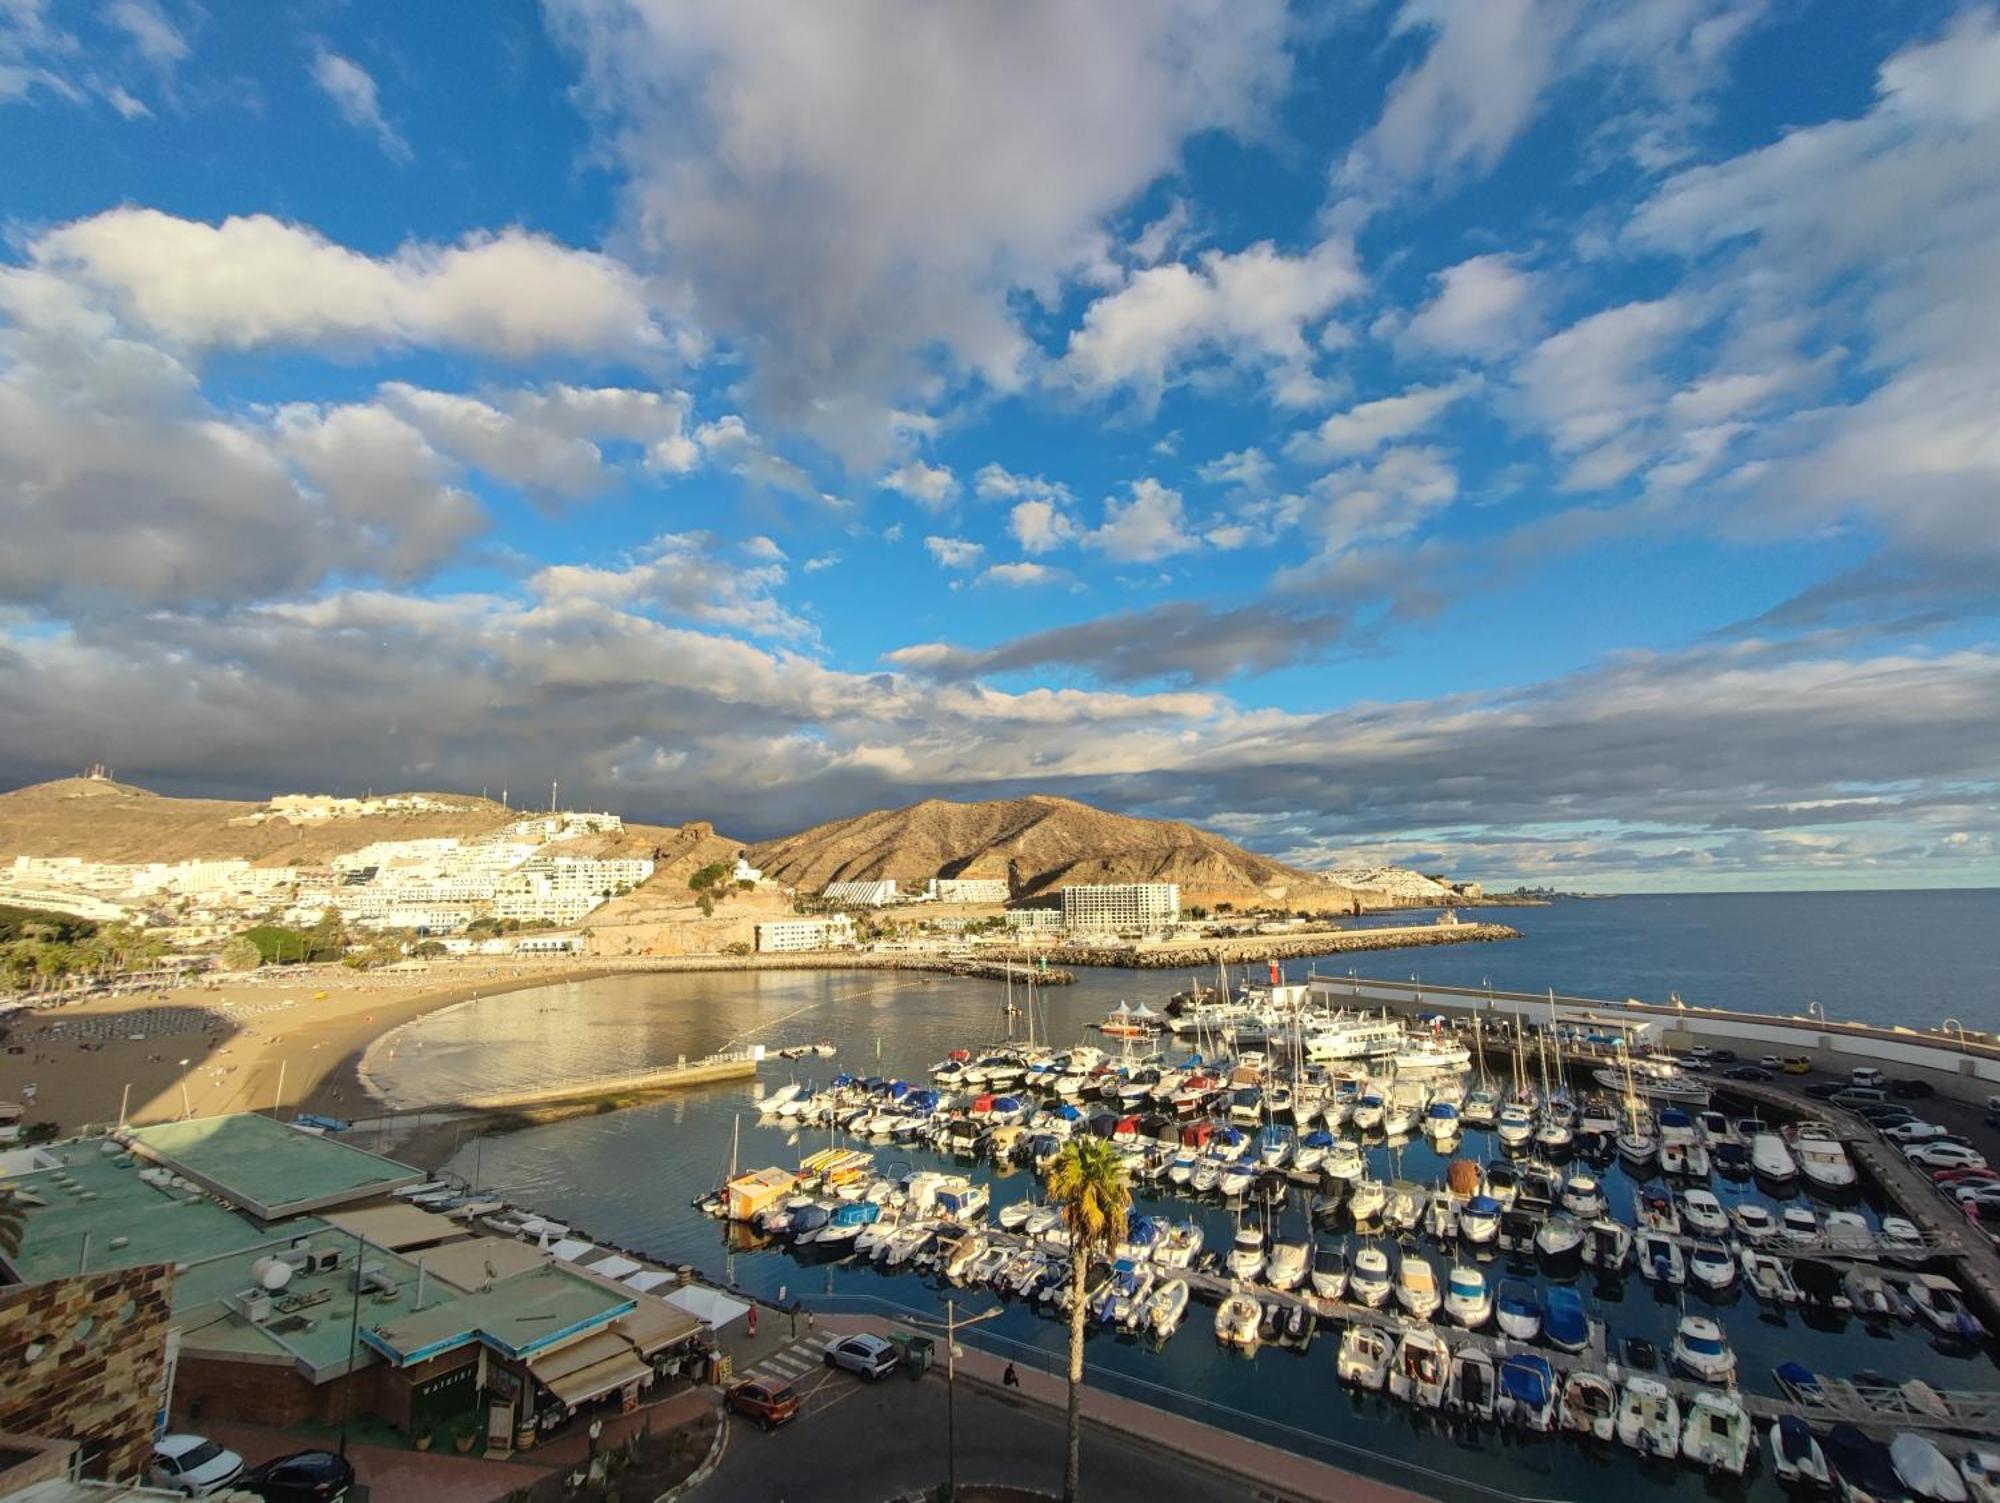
(1983, 1194)
(768, 1401)
(193, 1464)
(1692, 1061)
(1825, 1089)
(1944, 1156)
(1772, 1061)
(870, 1356)
(302, 1477)
(1905, 1089)
(1867, 1076)
(1854, 1097)
(1747, 1072)
(1798, 1064)
(1913, 1132)
(1965, 1176)
(1886, 1115)
(1722, 1056)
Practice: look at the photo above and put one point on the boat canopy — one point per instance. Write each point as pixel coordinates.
(1564, 1319)
(1527, 1379)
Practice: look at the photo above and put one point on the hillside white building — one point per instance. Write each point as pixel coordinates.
(1121, 907)
(966, 889)
(861, 894)
(832, 933)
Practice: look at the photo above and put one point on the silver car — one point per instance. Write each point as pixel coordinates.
(193, 1464)
(870, 1356)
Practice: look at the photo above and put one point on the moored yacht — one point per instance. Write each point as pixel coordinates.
(1468, 1300)
(1369, 1280)
(1701, 1350)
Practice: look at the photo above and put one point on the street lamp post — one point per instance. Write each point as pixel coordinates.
(1952, 1024)
(1813, 1009)
(951, 1328)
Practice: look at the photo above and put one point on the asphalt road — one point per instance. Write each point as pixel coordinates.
(859, 1442)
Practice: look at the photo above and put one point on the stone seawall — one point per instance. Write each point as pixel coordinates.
(1000, 967)
(1273, 947)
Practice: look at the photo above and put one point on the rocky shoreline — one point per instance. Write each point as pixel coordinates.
(1272, 947)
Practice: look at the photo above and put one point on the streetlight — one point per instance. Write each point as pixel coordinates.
(1952, 1023)
(1813, 1009)
(952, 1326)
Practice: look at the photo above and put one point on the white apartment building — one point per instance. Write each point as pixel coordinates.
(562, 889)
(966, 889)
(1035, 920)
(832, 933)
(861, 894)
(1121, 907)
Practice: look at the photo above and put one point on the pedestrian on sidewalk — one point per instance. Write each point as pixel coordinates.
(1010, 1378)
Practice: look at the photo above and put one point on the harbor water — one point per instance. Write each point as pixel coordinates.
(628, 1177)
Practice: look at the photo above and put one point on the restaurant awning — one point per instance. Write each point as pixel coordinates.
(655, 1325)
(708, 1305)
(585, 1369)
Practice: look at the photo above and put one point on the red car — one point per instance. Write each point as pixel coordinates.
(766, 1400)
(1964, 1176)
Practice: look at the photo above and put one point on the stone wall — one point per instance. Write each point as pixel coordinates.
(83, 1359)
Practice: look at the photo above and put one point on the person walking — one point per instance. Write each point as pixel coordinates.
(1010, 1378)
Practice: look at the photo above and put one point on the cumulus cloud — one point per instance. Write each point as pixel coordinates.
(1245, 469)
(931, 486)
(1021, 574)
(1253, 308)
(1151, 524)
(352, 89)
(1040, 526)
(997, 483)
(254, 281)
(1483, 307)
(1591, 386)
(682, 575)
(1369, 425)
(858, 195)
(954, 553)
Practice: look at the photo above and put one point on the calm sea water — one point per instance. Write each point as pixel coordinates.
(628, 1177)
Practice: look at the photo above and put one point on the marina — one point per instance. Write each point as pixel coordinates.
(1828, 1332)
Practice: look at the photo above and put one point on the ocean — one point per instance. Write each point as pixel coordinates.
(628, 1177)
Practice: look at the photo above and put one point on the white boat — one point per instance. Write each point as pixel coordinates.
(1922, 1468)
(1796, 1459)
(1558, 1237)
(1768, 1277)
(1480, 1109)
(1659, 1258)
(1246, 1256)
(1417, 1286)
(1179, 1245)
(1398, 1119)
(1718, 1434)
(1527, 1391)
(1711, 1265)
(1430, 1056)
(1370, 1282)
(1772, 1159)
(1354, 1036)
(1607, 1244)
(1515, 1125)
(1344, 1161)
(1366, 1199)
(1703, 1215)
(1649, 1418)
(1479, 1220)
(1329, 1271)
(1798, 1224)
(1589, 1405)
(1237, 1320)
(1980, 1467)
(1421, 1369)
(1823, 1161)
(1165, 1306)
(1846, 1231)
(1467, 1297)
(1014, 1215)
(1286, 1268)
(1868, 1293)
(1441, 1121)
(1583, 1197)
(1701, 1350)
(1472, 1383)
(1236, 1179)
(1753, 1222)
(1365, 1353)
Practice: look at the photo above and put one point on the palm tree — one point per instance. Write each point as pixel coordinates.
(13, 1222)
(1088, 1182)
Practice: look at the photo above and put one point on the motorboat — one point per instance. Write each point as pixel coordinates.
(1863, 1467)
(1467, 1298)
(1798, 1224)
(1558, 1237)
(1768, 1277)
(1772, 1159)
(1796, 1459)
(1369, 1282)
(1564, 1322)
(1681, 1148)
(1515, 1125)
(1703, 1215)
(1329, 1270)
(1479, 1219)
(1753, 1222)
(1846, 1230)
(1718, 1434)
(1164, 1307)
(1589, 1405)
(1922, 1468)
(1472, 1383)
(1365, 1352)
(1310, 1152)
(1421, 1369)
(1366, 1200)
(1980, 1467)
(1246, 1254)
(1286, 1268)
(1441, 1121)
(1607, 1244)
(1583, 1197)
(1014, 1215)
(1344, 1161)
(1868, 1292)
(1527, 1391)
(1404, 1205)
(1275, 1144)
(1417, 1286)
(1659, 1258)
(1518, 1308)
(1179, 1245)
(1480, 1109)
(1701, 1350)
(1502, 1183)
(1236, 1179)
(1398, 1118)
(1900, 1238)
(1823, 1162)
(1659, 1213)
(1238, 1319)
(1639, 1143)
(1710, 1265)
(1649, 1418)
(1940, 1304)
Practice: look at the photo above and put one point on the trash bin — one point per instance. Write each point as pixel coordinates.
(917, 1351)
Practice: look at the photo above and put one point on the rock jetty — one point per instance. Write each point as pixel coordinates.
(1252, 948)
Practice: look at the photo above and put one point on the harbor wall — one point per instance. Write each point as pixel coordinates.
(668, 1078)
(1175, 955)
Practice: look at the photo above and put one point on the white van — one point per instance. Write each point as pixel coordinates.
(1867, 1077)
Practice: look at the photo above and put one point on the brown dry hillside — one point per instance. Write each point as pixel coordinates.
(1038, 844)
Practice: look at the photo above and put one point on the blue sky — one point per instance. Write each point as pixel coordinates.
(1537, 440)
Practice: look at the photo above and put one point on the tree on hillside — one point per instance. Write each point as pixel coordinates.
(240, 954)
(1088, 1183)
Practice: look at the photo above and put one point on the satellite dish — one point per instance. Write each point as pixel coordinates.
(272, 1273)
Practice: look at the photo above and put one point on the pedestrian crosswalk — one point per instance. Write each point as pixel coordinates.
(790, 1363)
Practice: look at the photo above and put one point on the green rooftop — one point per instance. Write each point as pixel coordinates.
(269, 1169)
(517, 1316)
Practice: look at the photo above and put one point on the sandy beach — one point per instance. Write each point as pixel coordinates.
(73, 1065)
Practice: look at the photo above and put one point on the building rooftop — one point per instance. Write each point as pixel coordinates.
(269, 1169)
(517, 1316)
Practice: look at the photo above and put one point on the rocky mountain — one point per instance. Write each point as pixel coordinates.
(1039, 844)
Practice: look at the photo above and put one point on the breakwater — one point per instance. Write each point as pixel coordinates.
(1006, 966)
(1177, 955)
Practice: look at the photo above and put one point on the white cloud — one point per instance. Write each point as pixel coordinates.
(996, 483)
(954, 553)
(1022, 574)
(730, 443)
(931, 486)
(1246, 469)
(1252, 308)
(1485, 306)
(1370, 425)
(1040, 526)
(1380, 502)
(155, 38)
(683, 575)
(1152, 525)
(858, 194)
(1592, 385)
(766, 549)
(256, 281)
(352, 89)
